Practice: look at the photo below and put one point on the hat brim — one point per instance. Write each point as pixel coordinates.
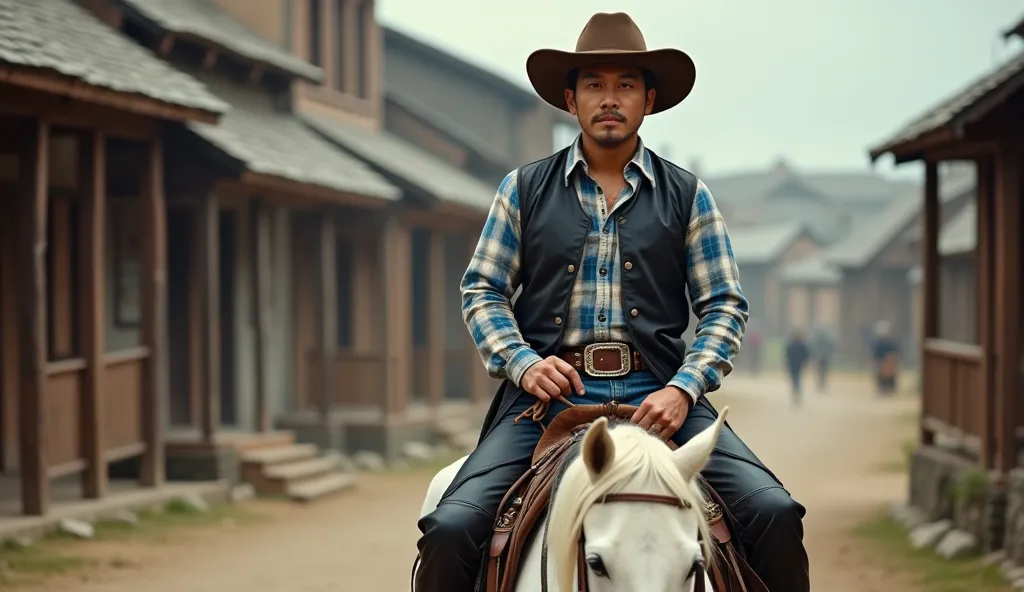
(673, 70)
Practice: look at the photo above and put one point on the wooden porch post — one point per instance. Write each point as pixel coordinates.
(261, 292)
(33, 177)
(983, 255)
(209, 277)
(1007, 299)
(154, 316)
(396, 256)
(930, 269)
(93, 165)
(328, 311)
(436, 323)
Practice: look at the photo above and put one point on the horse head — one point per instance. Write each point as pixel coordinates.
(659, 541)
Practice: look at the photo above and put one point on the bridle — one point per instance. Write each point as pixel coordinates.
(581, 554)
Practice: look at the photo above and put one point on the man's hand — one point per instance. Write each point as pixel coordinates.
(665, 410)
(551, 377)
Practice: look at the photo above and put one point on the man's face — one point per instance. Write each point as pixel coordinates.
(610, 103)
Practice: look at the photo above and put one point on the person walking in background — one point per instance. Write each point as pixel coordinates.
(797, 356)
(823, 347)
(885, 354)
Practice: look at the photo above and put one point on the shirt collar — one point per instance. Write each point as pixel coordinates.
(641, 160)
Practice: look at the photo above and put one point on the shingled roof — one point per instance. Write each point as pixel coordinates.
(204, 20)
(62, 38)
(276, 143)
(756, 245)
(869, 238)
(949, 117)
(407, 163)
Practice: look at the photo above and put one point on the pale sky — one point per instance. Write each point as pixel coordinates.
(818, 81)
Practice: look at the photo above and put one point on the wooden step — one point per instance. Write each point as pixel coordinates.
(265, 457)
(294, 471)
(329, 483)
(261, 441)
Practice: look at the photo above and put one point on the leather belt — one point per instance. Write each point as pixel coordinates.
(604, 360)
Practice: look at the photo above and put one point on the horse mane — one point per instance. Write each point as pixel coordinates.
(638, 455)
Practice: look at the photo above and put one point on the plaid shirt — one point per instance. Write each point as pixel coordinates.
(595, 307)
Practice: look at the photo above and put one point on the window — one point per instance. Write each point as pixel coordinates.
(338, 39)
(315, 39)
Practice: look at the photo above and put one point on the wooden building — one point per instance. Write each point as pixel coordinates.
(874, 261)
(466, 114)
(320, 254)
(83, 259)
(810, 286)
(972, 391)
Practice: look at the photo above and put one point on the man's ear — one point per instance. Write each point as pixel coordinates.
(570, 100)
(650, 102)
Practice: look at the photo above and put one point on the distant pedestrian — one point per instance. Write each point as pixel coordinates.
(823, 347)
(885, 354)
(797, 356)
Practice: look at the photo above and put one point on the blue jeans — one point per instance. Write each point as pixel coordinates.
(456, 535)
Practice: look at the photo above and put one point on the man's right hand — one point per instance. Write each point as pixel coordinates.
(551, 377)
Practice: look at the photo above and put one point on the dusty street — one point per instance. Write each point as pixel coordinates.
(828, 453)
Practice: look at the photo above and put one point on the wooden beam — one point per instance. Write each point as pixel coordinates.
(262, 289)
(1007, 299)
(209, 229)
(328, 334)
(65, 112)
(67, 86)
(983, 255)
(436, 321)
(396, 258)
(154, 316)
(33, 178)
(930, 267)
(93, 168)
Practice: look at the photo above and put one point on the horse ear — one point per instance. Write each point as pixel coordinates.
(691, 457)
(598, 448)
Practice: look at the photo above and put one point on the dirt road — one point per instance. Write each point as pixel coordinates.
(828, 453)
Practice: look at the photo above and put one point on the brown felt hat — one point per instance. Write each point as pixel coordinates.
(612, 39)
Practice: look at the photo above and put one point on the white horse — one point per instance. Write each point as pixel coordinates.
(646, 546)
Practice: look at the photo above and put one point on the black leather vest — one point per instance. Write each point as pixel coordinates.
(652, 249)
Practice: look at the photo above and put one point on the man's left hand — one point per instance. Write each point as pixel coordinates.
(664, 410)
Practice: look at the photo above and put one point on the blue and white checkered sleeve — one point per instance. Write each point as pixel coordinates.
(488, 285)
(718, 301)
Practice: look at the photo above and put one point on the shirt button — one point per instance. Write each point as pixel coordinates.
(558, 320)
(571, 268)
(628, 265)
(602, 318)
(603, 271)
(634, 312)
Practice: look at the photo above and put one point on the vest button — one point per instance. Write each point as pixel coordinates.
(558, 320)
(634, 312)
(628, 265)
(571, 268)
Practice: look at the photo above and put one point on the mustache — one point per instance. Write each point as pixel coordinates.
(618, 116)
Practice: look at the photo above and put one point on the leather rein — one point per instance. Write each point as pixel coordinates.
(581, 554)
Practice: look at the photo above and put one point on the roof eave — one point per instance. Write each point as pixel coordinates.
(914, 149)
(52, 82)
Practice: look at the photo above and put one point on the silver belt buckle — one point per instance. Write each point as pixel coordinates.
(588, 359)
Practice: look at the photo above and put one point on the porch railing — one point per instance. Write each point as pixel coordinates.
(951, 392)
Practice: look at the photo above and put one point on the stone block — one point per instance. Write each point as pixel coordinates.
(957, 544)
(928, 535)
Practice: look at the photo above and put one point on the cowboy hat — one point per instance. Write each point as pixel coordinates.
(612, 39)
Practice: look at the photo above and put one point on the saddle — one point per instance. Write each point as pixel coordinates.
(527, 501)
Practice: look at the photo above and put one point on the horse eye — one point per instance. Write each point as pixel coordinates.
(596, 565)
(697, 569)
